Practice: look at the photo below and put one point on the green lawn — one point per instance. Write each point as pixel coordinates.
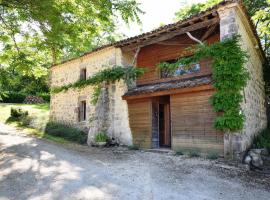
(39, 114)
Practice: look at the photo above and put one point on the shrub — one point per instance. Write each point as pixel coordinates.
(25, 120)
(133, 147)
(179, 152)
(17, 113)
(263, 139)
(212, 155)
(13, 97)
(66, 132)
(194, 153)
(101, 137)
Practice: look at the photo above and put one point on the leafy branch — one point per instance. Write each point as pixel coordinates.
(107, 76)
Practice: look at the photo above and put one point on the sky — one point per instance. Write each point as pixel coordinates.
(157, 12)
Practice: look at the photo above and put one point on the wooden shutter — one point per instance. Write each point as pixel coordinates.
(82, 111)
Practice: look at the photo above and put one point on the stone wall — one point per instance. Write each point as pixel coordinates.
(233, 21)
(110, 113)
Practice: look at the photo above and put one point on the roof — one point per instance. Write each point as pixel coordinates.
(171, 27)
(175, 84)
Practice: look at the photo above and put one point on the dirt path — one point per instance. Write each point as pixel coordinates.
(36, 169)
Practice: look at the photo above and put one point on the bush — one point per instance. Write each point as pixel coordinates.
(179, 152)
(66, 132)
(45, 96)
(263, 139)
(212, 155)
(194, 153)
(18, 113)
(13, 97)
(133, 147)
(101, 137)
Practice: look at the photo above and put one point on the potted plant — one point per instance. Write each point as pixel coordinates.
(101, 139)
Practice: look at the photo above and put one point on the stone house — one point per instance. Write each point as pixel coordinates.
(157, 110)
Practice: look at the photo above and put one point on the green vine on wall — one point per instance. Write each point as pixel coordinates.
(107, 76)
(229, 75)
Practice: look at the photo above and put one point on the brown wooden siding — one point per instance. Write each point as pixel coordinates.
(151, 55)
(192, 119)
(140, 122)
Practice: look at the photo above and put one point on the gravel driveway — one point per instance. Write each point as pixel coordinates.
(36, 169)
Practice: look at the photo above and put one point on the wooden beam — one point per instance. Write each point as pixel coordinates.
(169, 35)
(174, 43)
(170, 92)
(209, 32)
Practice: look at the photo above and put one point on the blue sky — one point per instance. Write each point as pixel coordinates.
(157, 12)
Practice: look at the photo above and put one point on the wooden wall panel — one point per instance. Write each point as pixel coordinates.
(192, 119)
(149, 56)
(140, 122)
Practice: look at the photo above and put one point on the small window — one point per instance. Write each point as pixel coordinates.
(181, 70)
(82, 111)
(83, 74)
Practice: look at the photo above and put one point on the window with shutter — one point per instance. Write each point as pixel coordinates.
(82, 111)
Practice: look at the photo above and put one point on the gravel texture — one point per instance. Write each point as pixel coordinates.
(37, 169)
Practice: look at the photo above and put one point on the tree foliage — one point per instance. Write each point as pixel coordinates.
(193, 9)
(37, 33)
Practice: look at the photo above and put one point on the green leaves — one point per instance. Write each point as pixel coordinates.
(109, 75)
(230, 77)
(48, 31)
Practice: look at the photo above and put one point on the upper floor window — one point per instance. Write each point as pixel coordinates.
(181, 70)
(83, 74)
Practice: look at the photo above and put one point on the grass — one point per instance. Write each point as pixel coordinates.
(39, 111)
(39, 114)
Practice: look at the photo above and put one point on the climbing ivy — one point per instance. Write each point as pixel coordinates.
(106, 76)
(229, 76)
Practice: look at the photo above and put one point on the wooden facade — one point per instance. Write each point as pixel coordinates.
(192, 122)
(151, 55)
(180, 118)
(140, 112)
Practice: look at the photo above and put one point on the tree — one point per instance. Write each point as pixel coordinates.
(34, 34)
(189, 10)
(62, 27)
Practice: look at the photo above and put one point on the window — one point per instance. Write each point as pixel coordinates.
(83, 74)
(181, 70)
(82, 111)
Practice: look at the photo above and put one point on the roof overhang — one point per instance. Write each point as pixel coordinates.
(171, 87)
(206, 18)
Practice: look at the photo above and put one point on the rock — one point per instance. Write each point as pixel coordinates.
(247, 159)
(256, 159)
(256, 151)
(265, 152)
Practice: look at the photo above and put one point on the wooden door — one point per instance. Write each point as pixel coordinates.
(167, 126)
(164, 125)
